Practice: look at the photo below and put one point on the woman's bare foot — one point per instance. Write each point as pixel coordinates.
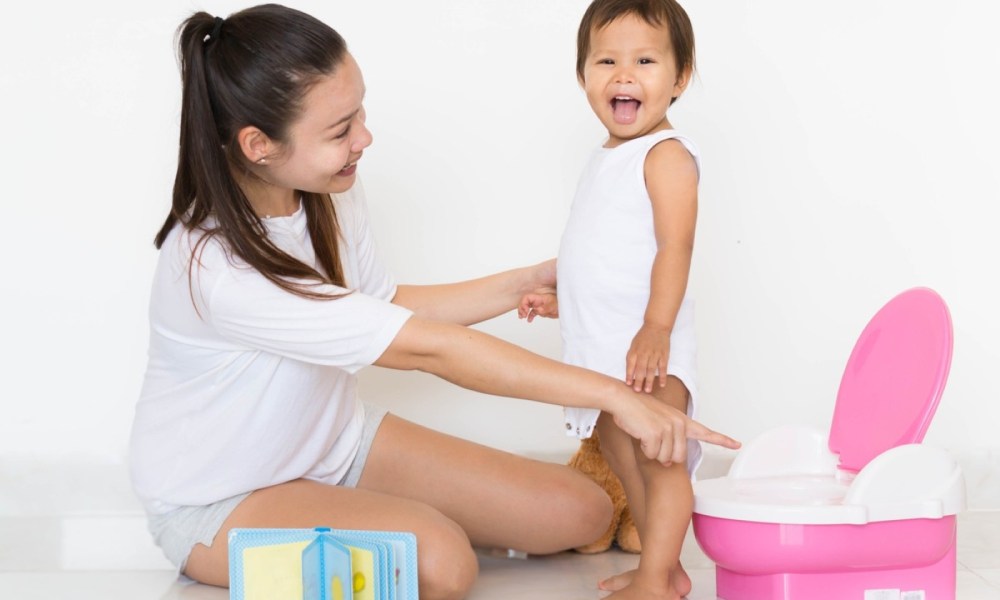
(678, 577)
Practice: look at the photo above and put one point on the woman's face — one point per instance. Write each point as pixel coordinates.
(327, 140)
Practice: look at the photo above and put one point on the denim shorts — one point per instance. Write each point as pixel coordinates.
(177, 531)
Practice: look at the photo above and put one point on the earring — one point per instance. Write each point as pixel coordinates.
(261, 160)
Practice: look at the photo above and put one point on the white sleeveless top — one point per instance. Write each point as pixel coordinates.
(605, 261)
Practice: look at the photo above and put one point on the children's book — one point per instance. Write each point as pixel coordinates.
(322, 564)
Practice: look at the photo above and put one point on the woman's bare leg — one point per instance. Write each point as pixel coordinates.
(453, 494)
(500, 500)
(447, 565)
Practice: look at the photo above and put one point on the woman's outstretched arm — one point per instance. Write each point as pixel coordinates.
(476, 300)
(478, 361)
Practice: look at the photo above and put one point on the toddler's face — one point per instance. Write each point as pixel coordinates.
(630, 77)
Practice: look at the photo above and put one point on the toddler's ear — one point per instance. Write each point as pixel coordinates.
(682, 82)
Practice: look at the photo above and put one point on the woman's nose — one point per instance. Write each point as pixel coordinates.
(363, 139)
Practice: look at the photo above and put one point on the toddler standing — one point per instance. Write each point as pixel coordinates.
(623, 266)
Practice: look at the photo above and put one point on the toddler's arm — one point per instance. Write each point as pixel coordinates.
(672, 182)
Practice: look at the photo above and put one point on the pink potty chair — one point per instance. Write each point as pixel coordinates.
(868, 514)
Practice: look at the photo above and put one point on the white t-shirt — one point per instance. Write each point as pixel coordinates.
(257, 386)
(605, 259)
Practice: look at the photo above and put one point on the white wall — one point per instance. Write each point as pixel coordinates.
(850, 152)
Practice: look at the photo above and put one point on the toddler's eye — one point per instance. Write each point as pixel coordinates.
(646, 61)
(605, 61)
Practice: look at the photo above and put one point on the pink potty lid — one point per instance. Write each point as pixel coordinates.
(893, 379)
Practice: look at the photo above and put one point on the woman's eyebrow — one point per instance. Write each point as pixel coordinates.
(352, 115)
(345, 119)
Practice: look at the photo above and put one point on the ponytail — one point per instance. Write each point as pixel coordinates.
(253, 68)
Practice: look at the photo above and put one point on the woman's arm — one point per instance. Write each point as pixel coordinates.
(476, 300)
(477, 361)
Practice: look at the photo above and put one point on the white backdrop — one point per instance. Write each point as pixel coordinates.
(850, 152)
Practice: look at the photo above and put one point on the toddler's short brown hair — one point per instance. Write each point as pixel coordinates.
(655, 12)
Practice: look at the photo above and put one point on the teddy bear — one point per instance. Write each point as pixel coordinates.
(622, 531)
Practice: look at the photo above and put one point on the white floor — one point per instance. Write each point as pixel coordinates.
(557, 577)
(77, 533)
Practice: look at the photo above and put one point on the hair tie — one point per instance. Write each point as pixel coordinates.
(216, 30)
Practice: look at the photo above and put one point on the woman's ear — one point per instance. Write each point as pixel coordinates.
(255, 145)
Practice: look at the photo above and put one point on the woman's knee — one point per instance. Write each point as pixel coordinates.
(447, 563)
(592, 512)
(573, 511)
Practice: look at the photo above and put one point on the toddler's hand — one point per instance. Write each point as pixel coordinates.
(647, 358)
(538, 305)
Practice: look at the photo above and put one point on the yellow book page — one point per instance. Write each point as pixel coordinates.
(273, 572)
(363, 565)
(337, 588)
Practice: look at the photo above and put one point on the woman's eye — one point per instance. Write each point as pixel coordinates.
(341, 136)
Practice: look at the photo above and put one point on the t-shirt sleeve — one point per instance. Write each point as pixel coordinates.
(349, 332)
(373, 278)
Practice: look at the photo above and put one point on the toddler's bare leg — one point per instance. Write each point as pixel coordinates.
(661, 501)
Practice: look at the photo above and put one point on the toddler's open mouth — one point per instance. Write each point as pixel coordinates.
(625, 109)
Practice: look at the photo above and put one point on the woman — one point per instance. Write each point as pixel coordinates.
(268, 298)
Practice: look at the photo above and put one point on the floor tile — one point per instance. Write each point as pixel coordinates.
(560, 577)
(566, 576)
(990, 576)
(972, 586)
(86, 585)
(979, 539)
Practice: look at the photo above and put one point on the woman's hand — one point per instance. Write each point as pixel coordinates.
(544, 276)
(540, 298)
(538, 305)
(662, 431)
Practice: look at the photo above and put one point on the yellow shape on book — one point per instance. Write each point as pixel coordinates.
(271, 572)
(363, 565)
(337, 588)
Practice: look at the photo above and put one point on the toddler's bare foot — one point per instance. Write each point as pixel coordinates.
(617, 582)
(681, 581)
(678, 577)
(637, 591)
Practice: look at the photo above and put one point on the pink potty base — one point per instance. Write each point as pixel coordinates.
(893, 560)
(872, 515)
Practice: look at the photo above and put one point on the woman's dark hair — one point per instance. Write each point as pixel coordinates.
(252, 69)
